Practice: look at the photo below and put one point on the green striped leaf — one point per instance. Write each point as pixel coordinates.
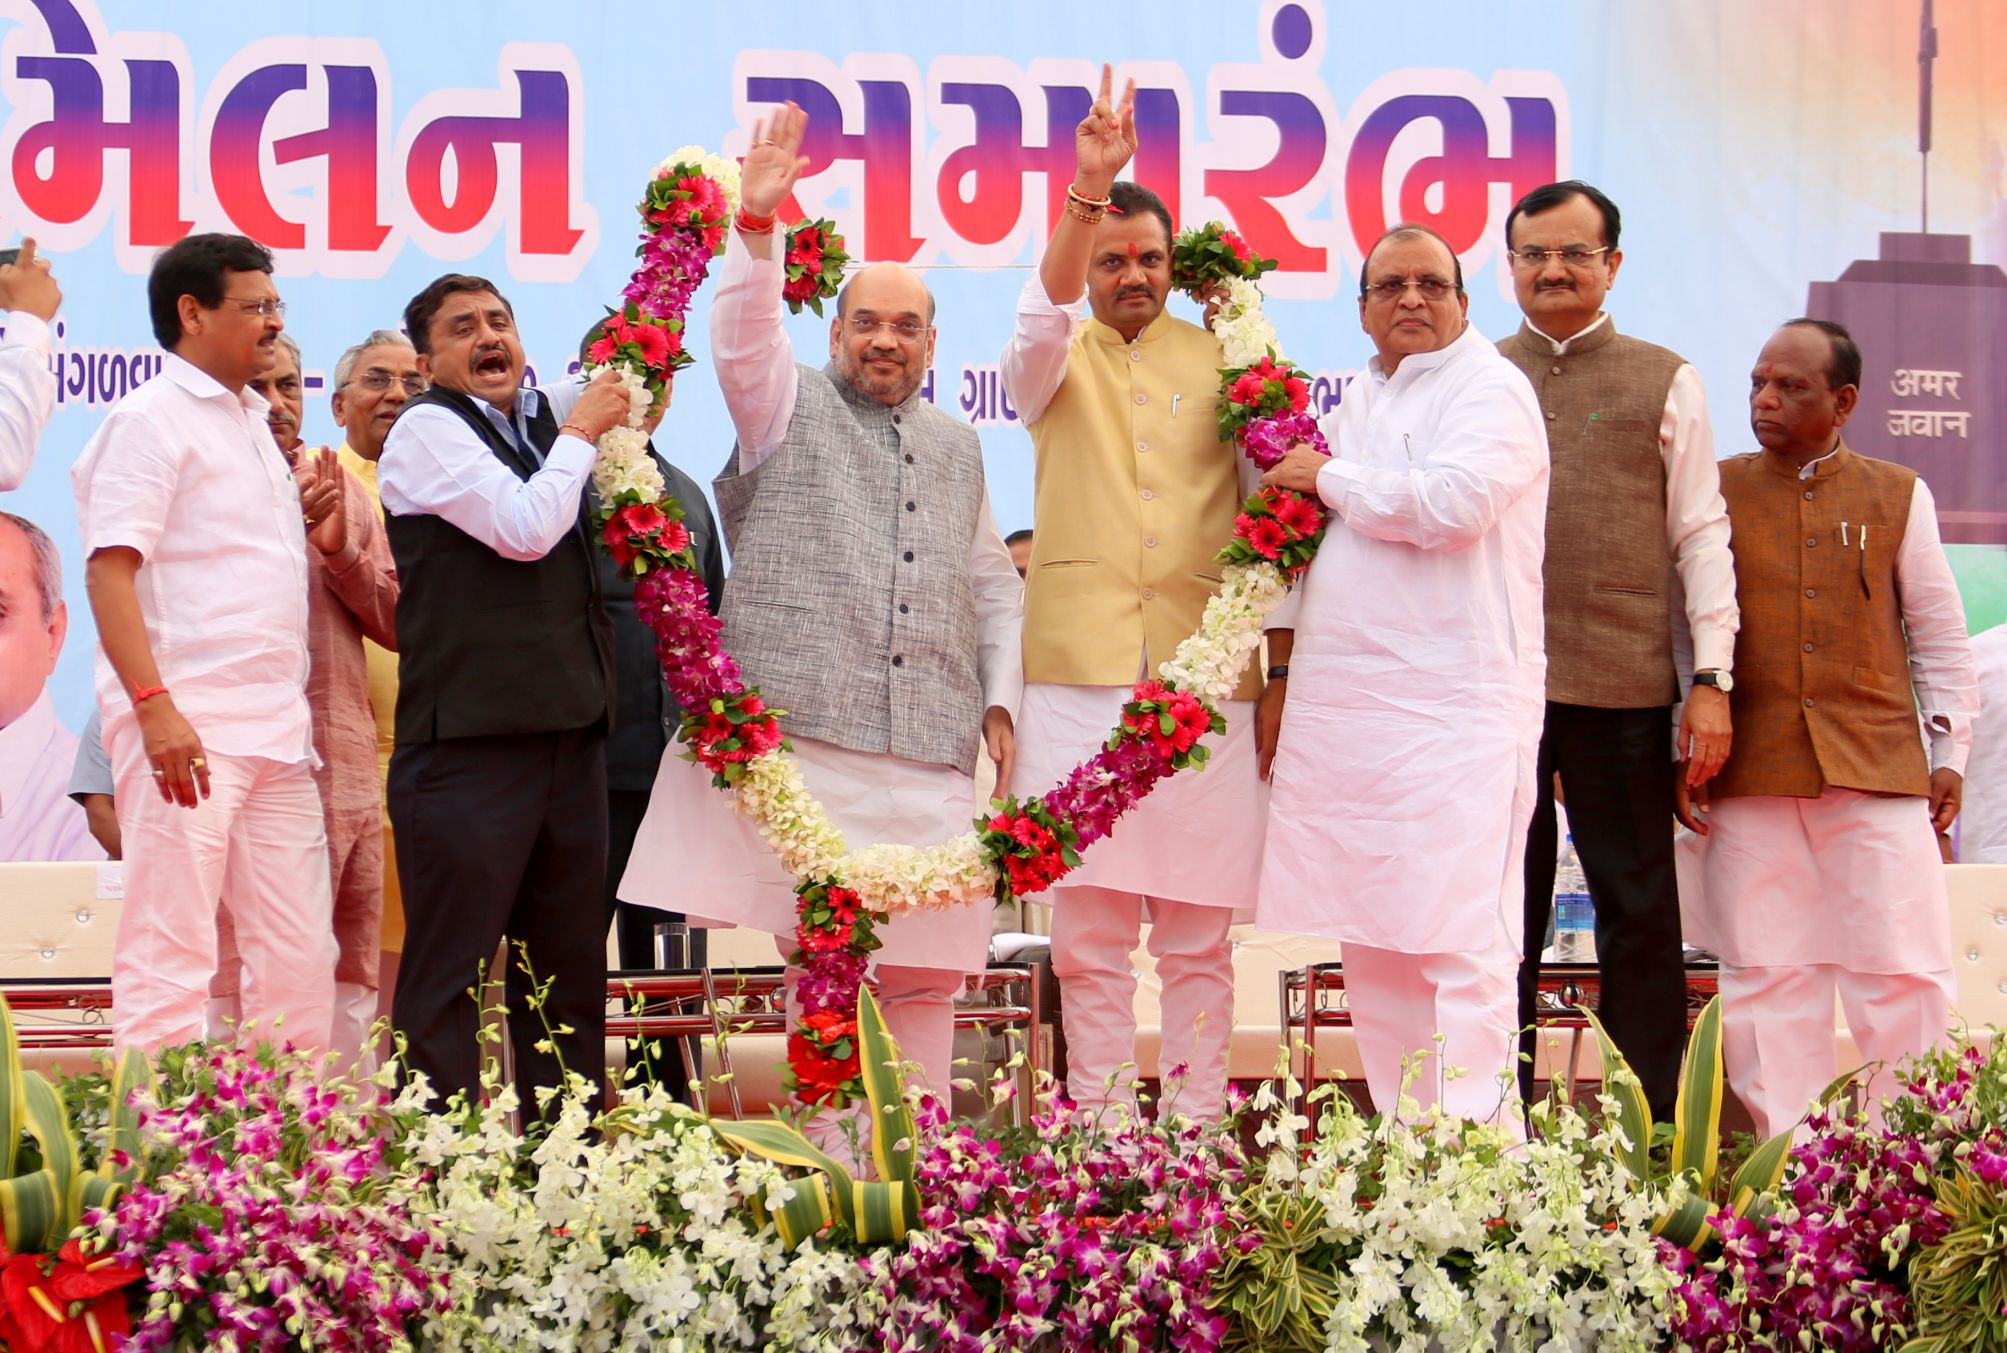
(784, 1145)
(883, 1213)
(1634, 1112)
(1686, 1224)
(1759, 1175)
(12, 1093)
(806, 1213)
(49, 1125)
(93, 1190)
(1697, 1118)
(133, 1073)
(31, 1210)
(878, 1066)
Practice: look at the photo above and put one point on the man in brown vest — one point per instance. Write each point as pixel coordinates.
(1821, 866)
(1635, 497)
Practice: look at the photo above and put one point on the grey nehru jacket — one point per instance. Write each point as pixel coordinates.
(850, 603)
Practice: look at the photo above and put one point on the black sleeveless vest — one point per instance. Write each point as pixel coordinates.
(491, 646)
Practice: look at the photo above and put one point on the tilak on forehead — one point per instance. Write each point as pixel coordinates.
(1132, 248)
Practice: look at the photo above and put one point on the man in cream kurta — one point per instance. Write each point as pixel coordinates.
(890, 660)
(1403, 777)
(1135, 493)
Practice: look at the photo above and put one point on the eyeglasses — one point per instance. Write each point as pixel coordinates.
(1574, 256)
(1432, 289)
(905, 330)
(262, 308)
(383, 380)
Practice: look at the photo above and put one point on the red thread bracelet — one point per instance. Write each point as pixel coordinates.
(147, 693)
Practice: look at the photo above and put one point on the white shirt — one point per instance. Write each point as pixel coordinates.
(1982, 827)
(759, 378)
(38, 818)
(433, 464)
(1696, 516)
(27, 393)
(186, 473)
(1933, 617)
(1404, 770)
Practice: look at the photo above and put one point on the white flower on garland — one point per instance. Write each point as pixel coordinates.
(1244, 332)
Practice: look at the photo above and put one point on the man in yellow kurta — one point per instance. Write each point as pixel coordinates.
(372, 381)
(1135, 493)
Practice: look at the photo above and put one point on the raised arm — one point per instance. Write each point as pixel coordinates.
(749, 346)
(29, 294)
(1103, 143)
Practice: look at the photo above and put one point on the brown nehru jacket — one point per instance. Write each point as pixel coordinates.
(1609, 568)
(1822, 683)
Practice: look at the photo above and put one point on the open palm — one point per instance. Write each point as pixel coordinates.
(773, 162)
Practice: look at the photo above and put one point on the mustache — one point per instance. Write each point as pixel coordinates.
(278, 415)
(1126, 292)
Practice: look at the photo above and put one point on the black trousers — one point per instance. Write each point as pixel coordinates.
(502, 837)
(634, 929)
(1617, 773)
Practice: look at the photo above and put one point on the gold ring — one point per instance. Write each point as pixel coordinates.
(198, 761)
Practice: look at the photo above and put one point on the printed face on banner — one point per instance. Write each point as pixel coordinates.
(475, 348)
(1129, 272)
(29, 644)
(883, 338)
(1561, 296)
(1792, 408)
(383, 380)
(1398, 312)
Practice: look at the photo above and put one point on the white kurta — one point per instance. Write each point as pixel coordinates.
(1403, 781)
(694, 853)
(1982, 827)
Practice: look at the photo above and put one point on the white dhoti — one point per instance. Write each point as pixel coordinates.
(1803, 897)
(1187, 857)
(696, 854)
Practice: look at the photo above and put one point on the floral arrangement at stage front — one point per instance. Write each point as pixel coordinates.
(1021, 846)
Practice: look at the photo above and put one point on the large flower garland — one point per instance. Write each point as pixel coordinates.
(1022, 846)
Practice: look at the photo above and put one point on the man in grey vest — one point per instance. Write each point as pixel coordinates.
(1634, 520)
(870, 597)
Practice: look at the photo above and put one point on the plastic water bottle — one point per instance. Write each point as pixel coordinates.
(1574, 911)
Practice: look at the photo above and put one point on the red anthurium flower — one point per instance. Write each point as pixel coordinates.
(82, 1276)
(24, 1292)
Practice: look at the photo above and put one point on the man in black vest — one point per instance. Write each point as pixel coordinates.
(498, 784)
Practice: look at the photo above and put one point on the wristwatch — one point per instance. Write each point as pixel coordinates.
(1720, 680)
(1278, 672)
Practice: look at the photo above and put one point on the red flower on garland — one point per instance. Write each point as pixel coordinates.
(1248, 389)
(1299, 515)
(652, 340)
(1237, 244)
(819, 1077)
(1267, 537)
(806, 248)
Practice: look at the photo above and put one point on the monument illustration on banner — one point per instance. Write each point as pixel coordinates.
(1932, 326)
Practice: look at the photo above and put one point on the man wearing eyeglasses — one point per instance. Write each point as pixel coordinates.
(351, 602)
(870, 597)
(198, 572)
(1136, 492)
(1402, 778)
(1635, 526)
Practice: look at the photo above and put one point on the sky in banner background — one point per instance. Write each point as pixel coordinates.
(1754, 148)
